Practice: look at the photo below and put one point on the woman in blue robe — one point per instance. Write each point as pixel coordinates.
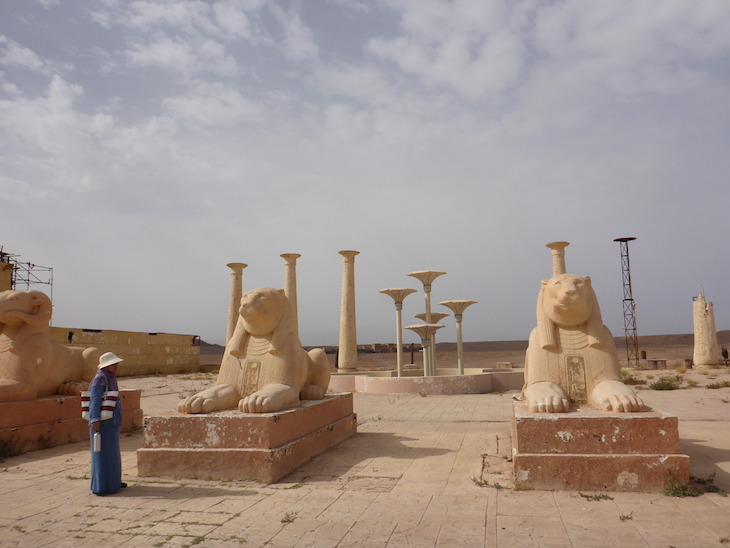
(106, 465)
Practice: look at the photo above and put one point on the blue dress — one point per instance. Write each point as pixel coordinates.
(106, 465)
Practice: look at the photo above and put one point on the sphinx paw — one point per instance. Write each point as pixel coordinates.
(312, 392)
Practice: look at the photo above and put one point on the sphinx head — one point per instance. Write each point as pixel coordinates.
(568, 299)
(263, 309)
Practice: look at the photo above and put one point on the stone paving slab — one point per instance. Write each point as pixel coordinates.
(421, 472)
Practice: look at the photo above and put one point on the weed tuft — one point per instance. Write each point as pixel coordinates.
(628, 378)
(708, 485)
(670, 382)
(676, 490)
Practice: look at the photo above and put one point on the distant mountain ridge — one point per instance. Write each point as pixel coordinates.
(647, 341)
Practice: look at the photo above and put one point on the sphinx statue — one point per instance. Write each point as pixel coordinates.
(32, 365)
(264, 367)
(571, 356)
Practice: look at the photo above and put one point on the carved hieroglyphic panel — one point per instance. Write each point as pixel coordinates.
(252, 369)
(575, 366)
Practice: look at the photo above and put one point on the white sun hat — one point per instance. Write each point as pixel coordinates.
(108, 359)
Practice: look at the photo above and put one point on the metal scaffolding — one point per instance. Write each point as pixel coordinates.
(632, 339)
(25, 274)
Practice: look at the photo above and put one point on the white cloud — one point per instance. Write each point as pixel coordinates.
(298, 43)
(71, 151)
(12, 54)
(472, 47)
(189, 17)
(458, 135)
(183, 57)
(213, 104)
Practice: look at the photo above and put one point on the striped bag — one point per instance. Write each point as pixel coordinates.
(107, 405)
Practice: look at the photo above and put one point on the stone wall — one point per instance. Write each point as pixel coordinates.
(143, 353)
(6, 273)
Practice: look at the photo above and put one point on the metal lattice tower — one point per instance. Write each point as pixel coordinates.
(632, 340)
(23, 274)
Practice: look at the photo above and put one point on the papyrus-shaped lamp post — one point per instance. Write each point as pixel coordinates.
(436, 318)
(426, 332)
(290, 285)
(426, 277)
(398, 295)
(234, 302)
(458, 307)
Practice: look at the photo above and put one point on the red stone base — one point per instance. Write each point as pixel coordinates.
(230, 445)
(55, 420)
(591, 450)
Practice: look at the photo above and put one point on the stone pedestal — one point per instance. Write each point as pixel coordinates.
(587, 449)
(55, 420)
(229, 445)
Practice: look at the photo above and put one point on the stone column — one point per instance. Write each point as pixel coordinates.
(398, 295)
(558, 253)
(290, 285)
(706, 350)
(347, 357)
(235, 300)
(458, 307)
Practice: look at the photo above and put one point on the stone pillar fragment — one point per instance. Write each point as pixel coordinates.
(347, 356)
(706, 350)
(235, 299)
(290, 285)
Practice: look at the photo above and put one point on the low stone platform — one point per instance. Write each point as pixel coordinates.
(229, 445)
(587, 449)
(445, 383)
(55, 420)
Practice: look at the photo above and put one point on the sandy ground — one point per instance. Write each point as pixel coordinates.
(421, 472)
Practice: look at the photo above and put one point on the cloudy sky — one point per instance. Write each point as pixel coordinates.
(146, 144)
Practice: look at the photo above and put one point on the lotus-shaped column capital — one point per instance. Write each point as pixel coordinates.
(457, 306)
(348, 254)
(398, 294)
(426, 277)
(237, 267)
(425, 330)
(290, 256)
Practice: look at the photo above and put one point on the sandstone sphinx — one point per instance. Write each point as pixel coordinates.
(571, 356)
(264, 367)
(32, 365)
